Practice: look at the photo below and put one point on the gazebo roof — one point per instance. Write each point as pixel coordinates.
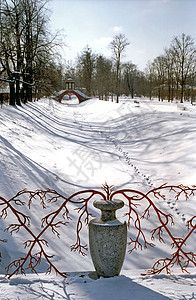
(70, 80)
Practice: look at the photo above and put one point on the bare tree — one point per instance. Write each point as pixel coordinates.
(118, 45)
(25, 43)
(70, 69)
(192, 84)
(103, 75)
(169, 73)
(130, 74)
(184, 55)
(159, 75)
(85, 69)
(149, 74)
(35, 40)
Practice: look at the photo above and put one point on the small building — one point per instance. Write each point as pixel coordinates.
(70, 84)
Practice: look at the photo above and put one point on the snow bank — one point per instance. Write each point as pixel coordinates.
(68, 148)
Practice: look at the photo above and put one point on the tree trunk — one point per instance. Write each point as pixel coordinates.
(1, 100)
(159, 94)
(12, 94)
(182, 93)
(169, 93)
(17, 90)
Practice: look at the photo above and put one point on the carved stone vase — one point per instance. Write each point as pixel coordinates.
(107, 239)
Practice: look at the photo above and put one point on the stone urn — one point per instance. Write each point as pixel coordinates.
(107, 239)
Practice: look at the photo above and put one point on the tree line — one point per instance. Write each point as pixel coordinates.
(29, 61)
(173, 74)
(31, 66)
(169, 76)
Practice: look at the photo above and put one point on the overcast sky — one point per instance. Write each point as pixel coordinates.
(149, 25)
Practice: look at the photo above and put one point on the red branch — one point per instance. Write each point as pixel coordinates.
(61, 217)
(180, 257)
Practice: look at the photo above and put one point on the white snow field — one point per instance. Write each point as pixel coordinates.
(70, 147)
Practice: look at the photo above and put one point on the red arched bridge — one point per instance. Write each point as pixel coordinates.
(81, 96)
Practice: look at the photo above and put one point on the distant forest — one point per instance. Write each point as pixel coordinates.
(31, 66)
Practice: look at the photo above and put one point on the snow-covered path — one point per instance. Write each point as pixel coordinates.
(69, 148)
(149, 144)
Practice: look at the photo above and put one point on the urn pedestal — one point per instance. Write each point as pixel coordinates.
(107, 239)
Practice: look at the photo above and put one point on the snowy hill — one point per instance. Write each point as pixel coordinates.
(70, 148)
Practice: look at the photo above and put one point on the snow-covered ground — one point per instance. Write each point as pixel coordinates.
(74, 147)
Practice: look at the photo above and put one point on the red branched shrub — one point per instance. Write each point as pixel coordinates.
(61, 217)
